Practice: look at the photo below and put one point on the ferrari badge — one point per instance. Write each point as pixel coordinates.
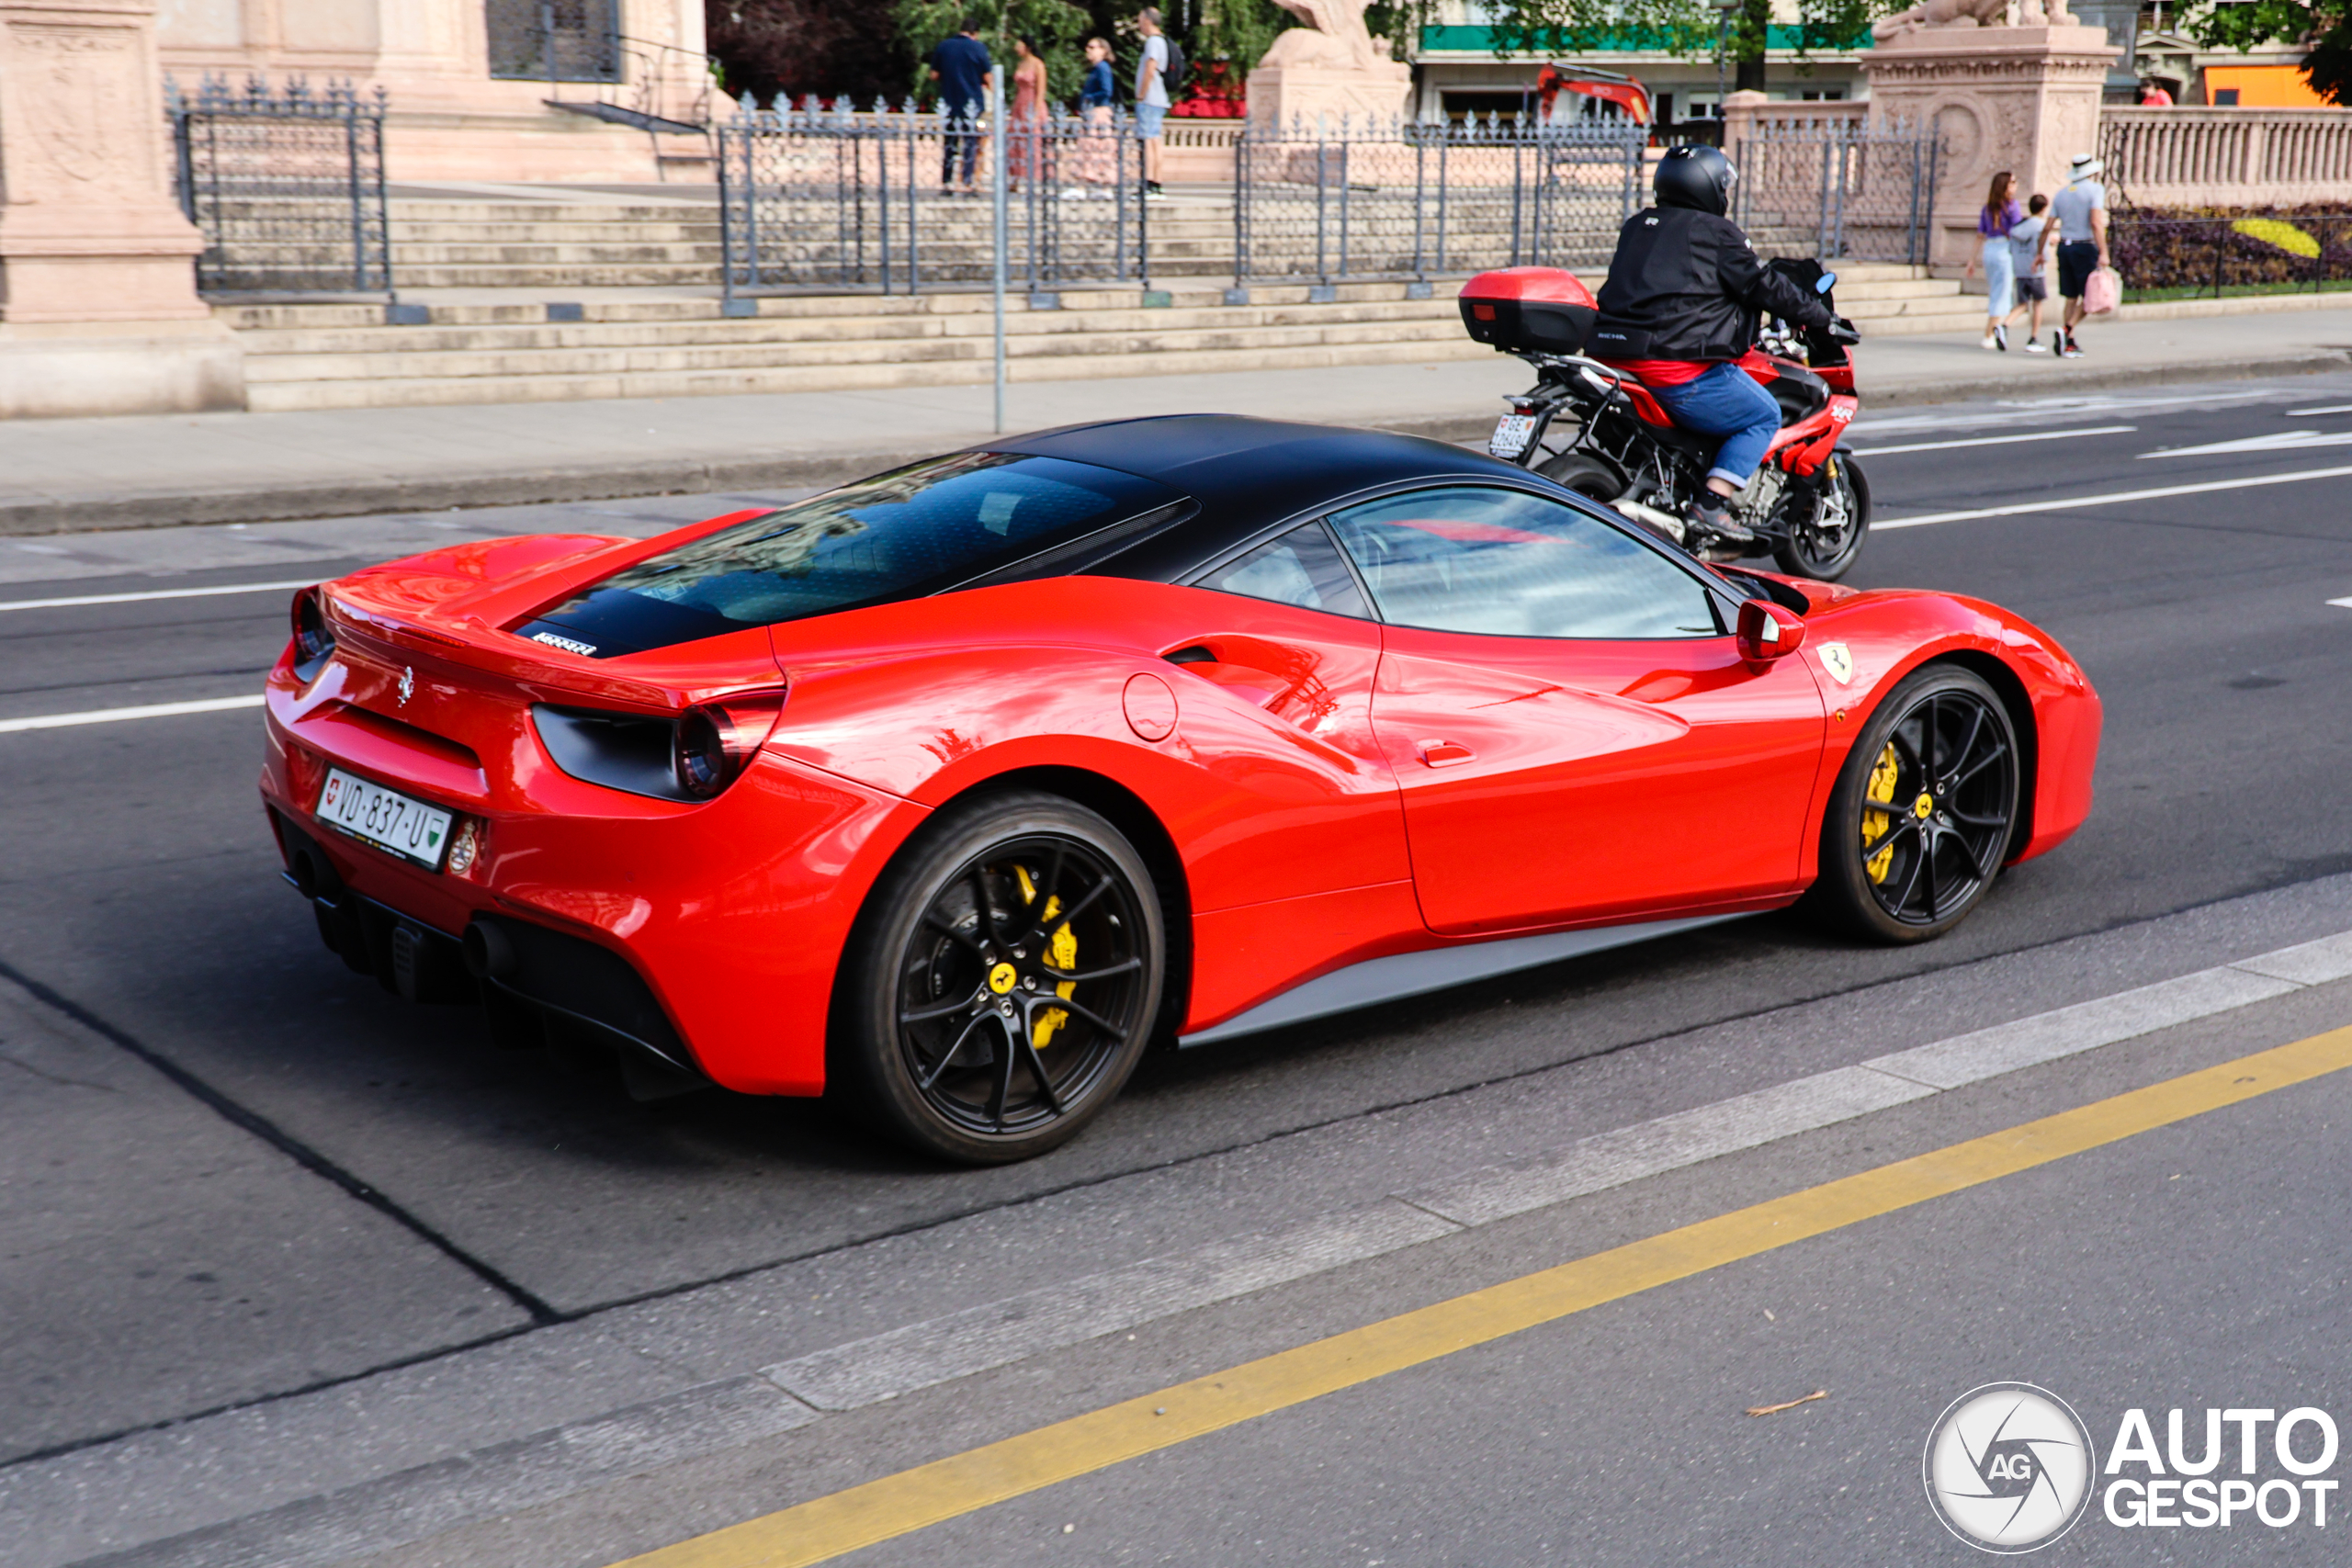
(1837, 662)
(408, 684)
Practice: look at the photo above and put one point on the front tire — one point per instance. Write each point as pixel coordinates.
(1825, 546)
(1002, 981)
(1924, 811)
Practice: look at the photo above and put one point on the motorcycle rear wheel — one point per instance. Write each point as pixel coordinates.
(1826, 546)
(1587, 476)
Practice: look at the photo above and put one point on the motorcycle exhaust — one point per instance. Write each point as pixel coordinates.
(1650, 517)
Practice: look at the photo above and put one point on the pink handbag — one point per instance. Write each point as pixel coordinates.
(2102, 291)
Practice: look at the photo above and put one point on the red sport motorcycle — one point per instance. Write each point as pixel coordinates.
(1598, 431)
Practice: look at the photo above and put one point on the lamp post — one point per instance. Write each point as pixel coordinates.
(1725, 11)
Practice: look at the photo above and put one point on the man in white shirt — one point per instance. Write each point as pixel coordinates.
(2078, 225)
(1151, 93)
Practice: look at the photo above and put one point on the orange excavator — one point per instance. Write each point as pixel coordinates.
(1605, 86)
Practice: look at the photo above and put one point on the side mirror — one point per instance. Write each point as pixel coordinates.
(1768, 632)
(1824, 283)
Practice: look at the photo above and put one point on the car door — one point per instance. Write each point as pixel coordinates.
(1574, 732)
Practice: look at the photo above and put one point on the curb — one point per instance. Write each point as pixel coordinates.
(686, 476)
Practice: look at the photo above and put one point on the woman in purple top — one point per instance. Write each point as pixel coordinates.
(2001, 213)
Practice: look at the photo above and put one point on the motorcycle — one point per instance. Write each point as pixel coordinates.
(1600, 432)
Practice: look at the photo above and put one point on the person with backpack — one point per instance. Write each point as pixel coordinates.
(1160, 74)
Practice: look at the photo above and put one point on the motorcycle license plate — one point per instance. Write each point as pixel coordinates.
(1513, 432)
(374, 814)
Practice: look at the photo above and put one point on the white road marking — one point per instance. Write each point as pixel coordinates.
(115, 715)
(1881, 525)
(7, 604)
(1994, 440)
(2279, 441)
(2341, 603)
(2308, 414)
(920, 1355)
(2043, 410)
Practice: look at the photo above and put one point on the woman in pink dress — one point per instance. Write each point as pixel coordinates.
(1026, 114)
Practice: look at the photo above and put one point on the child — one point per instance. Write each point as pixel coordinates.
(2032, 288)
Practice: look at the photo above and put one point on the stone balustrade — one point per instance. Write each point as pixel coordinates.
(2228, 157)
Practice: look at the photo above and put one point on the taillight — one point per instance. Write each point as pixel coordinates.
(313, 640)
(717, 741)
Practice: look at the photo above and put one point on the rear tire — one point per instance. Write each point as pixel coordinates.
(1924, 811)
(1824, 547)
(1587, 476)
(1003, 981)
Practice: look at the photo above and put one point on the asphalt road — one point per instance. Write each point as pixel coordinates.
(239, 1185)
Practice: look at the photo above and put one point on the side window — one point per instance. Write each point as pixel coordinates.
(1502, 562)
(1301, 568)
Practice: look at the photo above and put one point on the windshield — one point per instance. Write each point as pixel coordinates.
(919, 530)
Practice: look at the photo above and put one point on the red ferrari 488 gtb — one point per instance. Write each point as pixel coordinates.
(953, 790)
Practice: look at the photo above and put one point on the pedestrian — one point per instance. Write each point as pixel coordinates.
(1151, 95)
(1097, 154)
(961, 65)
(2029, 284)
(1025, 118)
(2154, 94)
(2078, 225)
(1999, 215)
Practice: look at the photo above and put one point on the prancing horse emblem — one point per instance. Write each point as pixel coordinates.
(1837, 662)
(408, 686)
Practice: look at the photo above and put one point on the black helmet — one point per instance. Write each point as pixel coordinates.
(1695, 176)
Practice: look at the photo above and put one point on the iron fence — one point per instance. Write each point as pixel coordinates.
(894, 200)
(2170, 258)
(286, 185)
(1406, 199)
(1834, 189)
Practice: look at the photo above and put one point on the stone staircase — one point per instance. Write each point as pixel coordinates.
(552, 301)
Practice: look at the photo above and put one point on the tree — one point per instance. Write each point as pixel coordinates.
(2323, 27)
(1059, 28)
(766, 49)
(1685, 27)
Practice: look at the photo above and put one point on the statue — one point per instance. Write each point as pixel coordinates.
(1332, 68)
(1972, 14)
(1334, 38)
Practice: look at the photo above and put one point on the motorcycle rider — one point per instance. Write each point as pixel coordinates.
(1680, 308)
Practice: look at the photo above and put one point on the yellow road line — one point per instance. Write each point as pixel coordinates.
(928, 1495)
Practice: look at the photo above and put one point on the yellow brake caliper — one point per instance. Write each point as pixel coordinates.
(1064, 953)
(1874, 823)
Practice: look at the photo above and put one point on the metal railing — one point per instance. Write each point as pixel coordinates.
(894, 201)
(2164, 257)
(286, 185)
(1837, 188)
(1408, 198)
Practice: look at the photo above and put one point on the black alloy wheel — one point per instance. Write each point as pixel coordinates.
(1004, 979)
(1925, 809)
(1825, 546)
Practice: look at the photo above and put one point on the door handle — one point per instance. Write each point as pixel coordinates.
(1444, 753)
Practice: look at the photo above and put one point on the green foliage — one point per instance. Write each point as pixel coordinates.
(1684, 28)
(2325, 24)
(1060, 28)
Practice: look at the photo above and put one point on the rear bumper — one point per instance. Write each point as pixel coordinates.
(703, 938)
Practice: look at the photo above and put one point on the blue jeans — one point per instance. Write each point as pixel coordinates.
(1726, 401)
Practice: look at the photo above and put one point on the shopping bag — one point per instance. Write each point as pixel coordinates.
(2102, 291)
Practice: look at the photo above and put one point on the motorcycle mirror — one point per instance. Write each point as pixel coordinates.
(1827, 281)
(1767, 632)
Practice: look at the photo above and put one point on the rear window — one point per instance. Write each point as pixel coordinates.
(919, 530)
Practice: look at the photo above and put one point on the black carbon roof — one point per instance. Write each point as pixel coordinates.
(1247, 475)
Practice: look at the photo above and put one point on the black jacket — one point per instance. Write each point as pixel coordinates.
(1687, 284)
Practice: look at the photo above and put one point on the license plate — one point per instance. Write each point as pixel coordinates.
(1512, 433)
(386, 818)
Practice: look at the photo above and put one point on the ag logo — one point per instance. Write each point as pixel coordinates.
(2009, 1467)
(1839, 661)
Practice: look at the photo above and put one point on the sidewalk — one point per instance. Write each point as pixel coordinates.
(58, 476)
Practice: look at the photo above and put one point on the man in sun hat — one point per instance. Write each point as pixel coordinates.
(2078, 227)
